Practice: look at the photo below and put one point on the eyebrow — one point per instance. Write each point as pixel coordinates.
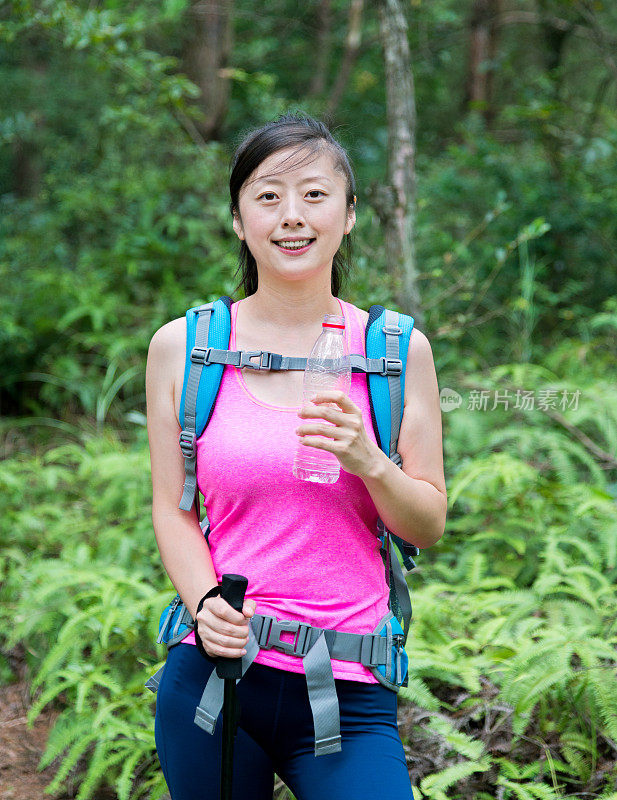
(269, 179)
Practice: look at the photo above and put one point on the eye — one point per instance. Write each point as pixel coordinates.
(264, 195)
(316, 191)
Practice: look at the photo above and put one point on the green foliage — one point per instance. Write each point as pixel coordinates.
(82, 590)
(123, 207)
(114, 219)
(514, 616)
(517, 608)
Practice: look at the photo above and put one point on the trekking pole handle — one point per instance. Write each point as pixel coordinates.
(233, 589)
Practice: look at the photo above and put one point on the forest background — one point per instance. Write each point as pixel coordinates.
(117, 121)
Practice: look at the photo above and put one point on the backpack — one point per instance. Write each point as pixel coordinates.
(387, 335)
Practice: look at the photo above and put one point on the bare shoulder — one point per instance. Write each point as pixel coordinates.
(419, 347)
(165, 366)
(420, 369)
(167, 348)
(169, 336)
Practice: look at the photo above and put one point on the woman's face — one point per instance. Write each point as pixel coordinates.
(297, 200)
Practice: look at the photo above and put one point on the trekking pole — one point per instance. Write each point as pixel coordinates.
(233, 588)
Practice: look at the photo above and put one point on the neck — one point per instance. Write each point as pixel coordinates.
(297, 308)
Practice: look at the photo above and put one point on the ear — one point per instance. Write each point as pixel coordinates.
(237, 226)
(351, 219)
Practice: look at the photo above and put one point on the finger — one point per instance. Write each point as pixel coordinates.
(213, 648)
(232, 653)
(209, 621)
(334, 396)
(322, 444)
(223, 610)
(217, 639)
(330, 431)
(224, 640)
(248, 609)
(322, 411)
(218, 627)
(217, 643)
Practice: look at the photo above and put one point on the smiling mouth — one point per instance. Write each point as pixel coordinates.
(301, 244)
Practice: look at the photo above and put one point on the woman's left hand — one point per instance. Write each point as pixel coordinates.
(347, 436)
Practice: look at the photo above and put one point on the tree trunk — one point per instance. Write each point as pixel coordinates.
(395, 204)
(483, 38)
(554, 40)
(26, 172)
(206, 56)
(323, 46)
(352, 46)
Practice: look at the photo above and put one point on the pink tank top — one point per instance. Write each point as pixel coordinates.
(310, 551)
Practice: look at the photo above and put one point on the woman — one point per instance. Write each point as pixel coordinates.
(309, 551)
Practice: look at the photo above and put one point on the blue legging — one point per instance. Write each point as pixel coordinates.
(276, 734)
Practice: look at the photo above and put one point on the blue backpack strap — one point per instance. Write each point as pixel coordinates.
(389, 332)
(207, 326)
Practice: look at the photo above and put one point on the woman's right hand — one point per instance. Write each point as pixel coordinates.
(223, 630)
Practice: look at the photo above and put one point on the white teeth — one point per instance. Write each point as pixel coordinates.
(294, 245)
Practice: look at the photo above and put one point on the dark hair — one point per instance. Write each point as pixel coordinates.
(286, 131)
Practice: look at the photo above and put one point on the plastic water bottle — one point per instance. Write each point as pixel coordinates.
(328, 367)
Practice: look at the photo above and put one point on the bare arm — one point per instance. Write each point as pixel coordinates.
(412, 501)
(183, 548)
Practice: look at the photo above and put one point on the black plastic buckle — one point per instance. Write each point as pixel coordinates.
(201, 355)
(187, 444)
(369, 652)
(265, 359)
(299, 647)
(391, 366)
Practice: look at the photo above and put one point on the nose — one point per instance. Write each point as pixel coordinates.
(292, 214)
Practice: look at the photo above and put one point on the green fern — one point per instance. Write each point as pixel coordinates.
(515, 612)
(457, 741)
(434, 786)
(602, 682)
(527, 791)
(99, 764)
(126, 779)
(66, 730)
(418, 693)
(78, 748)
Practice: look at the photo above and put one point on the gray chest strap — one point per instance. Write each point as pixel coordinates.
(274, 362)
(316, 647)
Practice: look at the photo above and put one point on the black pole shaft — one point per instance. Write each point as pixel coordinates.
(229, 734)
(233, 589)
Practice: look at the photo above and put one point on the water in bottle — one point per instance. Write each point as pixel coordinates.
(327, 367)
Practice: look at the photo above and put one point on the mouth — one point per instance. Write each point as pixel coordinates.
(297, 247)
